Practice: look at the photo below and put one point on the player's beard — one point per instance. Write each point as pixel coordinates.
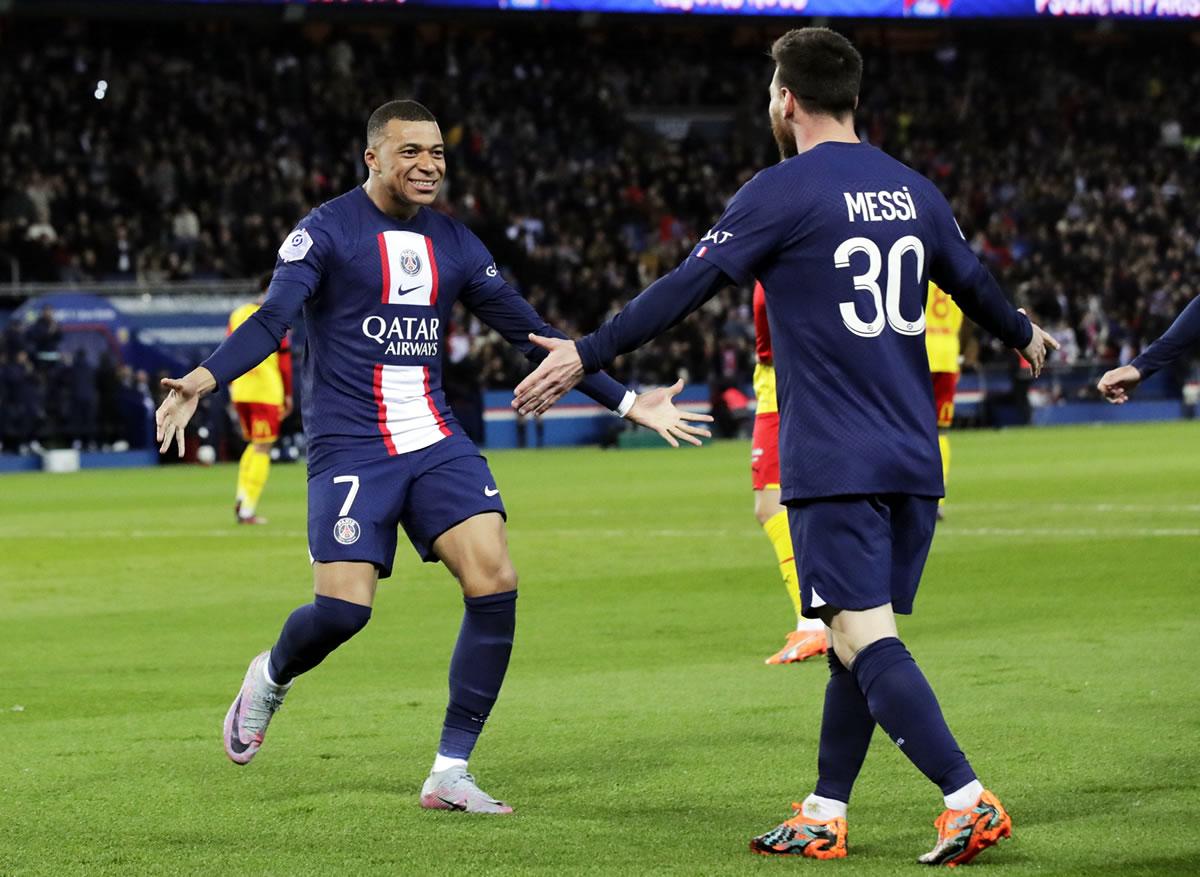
(784, 138)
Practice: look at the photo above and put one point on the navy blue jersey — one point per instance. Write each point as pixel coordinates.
(844, 240)
(376, 293)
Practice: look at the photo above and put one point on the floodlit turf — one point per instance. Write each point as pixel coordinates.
(638, 731)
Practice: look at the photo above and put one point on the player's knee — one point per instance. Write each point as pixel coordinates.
(341, 617)
(489, 577)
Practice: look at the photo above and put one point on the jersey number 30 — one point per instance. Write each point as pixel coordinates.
(869, 283)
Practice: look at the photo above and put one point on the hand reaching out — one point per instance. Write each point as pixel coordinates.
(655, 410)
(1036, 351)
(1117, 384)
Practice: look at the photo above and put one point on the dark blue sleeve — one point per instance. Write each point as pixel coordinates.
(1176, 341)
(303, 260)
(956, 269)
(260, 335)
(493, 300)
(663, 304)
(759, 219)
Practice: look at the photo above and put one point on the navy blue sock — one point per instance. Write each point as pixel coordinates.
(846, 728)
(905, 707)
(477, 669)
(312, 632)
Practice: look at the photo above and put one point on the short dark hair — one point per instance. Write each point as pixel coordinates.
(821, 68)
(404, 110)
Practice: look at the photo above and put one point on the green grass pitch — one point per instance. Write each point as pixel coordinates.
(638, 731)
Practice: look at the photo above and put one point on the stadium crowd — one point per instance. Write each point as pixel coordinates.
(591, 160)
(55, 397)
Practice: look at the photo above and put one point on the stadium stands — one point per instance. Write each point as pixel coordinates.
(589, 160)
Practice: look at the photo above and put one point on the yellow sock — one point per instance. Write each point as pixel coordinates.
(243, 469)
(781, 540)
(944, 444)
(257, 470)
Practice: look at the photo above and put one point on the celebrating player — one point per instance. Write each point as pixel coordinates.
(844, 240)
(262, 398)
(808, 638)
(943, 324)
(376, 273)
(1184, 334)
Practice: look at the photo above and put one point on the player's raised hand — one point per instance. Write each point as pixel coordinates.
(177, 409)
(1039, 345)
(1117, 384)
(655, 410)
(555, 375)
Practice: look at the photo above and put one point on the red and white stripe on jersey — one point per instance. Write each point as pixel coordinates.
(410, 275)
(408, 418)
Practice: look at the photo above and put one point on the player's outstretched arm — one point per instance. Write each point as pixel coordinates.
(655, 409)
(663, 304)
(1116, 385)
(177, 409)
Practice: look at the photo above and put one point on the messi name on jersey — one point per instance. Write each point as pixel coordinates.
(403, 336)
(880, 206)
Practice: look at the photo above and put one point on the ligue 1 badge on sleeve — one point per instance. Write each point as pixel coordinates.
(346, 531)
(296, 246)
(410, 263)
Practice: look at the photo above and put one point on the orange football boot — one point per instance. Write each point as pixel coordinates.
(964, 834)
(801, 836)
(800, 645)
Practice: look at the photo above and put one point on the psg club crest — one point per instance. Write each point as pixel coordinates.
(346, 531)
(410, 263)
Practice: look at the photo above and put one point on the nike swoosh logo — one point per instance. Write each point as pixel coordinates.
(407, 291)
(453, 805)
(235, 735)
(491, 491)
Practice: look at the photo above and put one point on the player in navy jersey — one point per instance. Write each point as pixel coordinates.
(376, 272)
(1183, 335)
(844, 240)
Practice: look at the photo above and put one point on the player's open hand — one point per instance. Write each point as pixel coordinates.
(173, 414)
(1038, 348)
(1117, 384)
(555, 375)
(655, 410)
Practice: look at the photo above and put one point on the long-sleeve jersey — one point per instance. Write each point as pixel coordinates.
(269, 382)
(376, 293)
(844, 240)
(1183, 335)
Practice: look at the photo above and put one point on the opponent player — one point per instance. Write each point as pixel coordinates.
(376, 273)
(1184, 334)
(943, 323)
(844, 240)
(262, 398)
(808, 638)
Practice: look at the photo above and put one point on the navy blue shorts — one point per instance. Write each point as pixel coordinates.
(858, 552)
(354, 508)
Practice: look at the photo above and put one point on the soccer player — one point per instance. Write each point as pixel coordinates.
(844, 240)
(1184, 334)
(943, 325)
(262, 398)
(808, 638)
(376, 272)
